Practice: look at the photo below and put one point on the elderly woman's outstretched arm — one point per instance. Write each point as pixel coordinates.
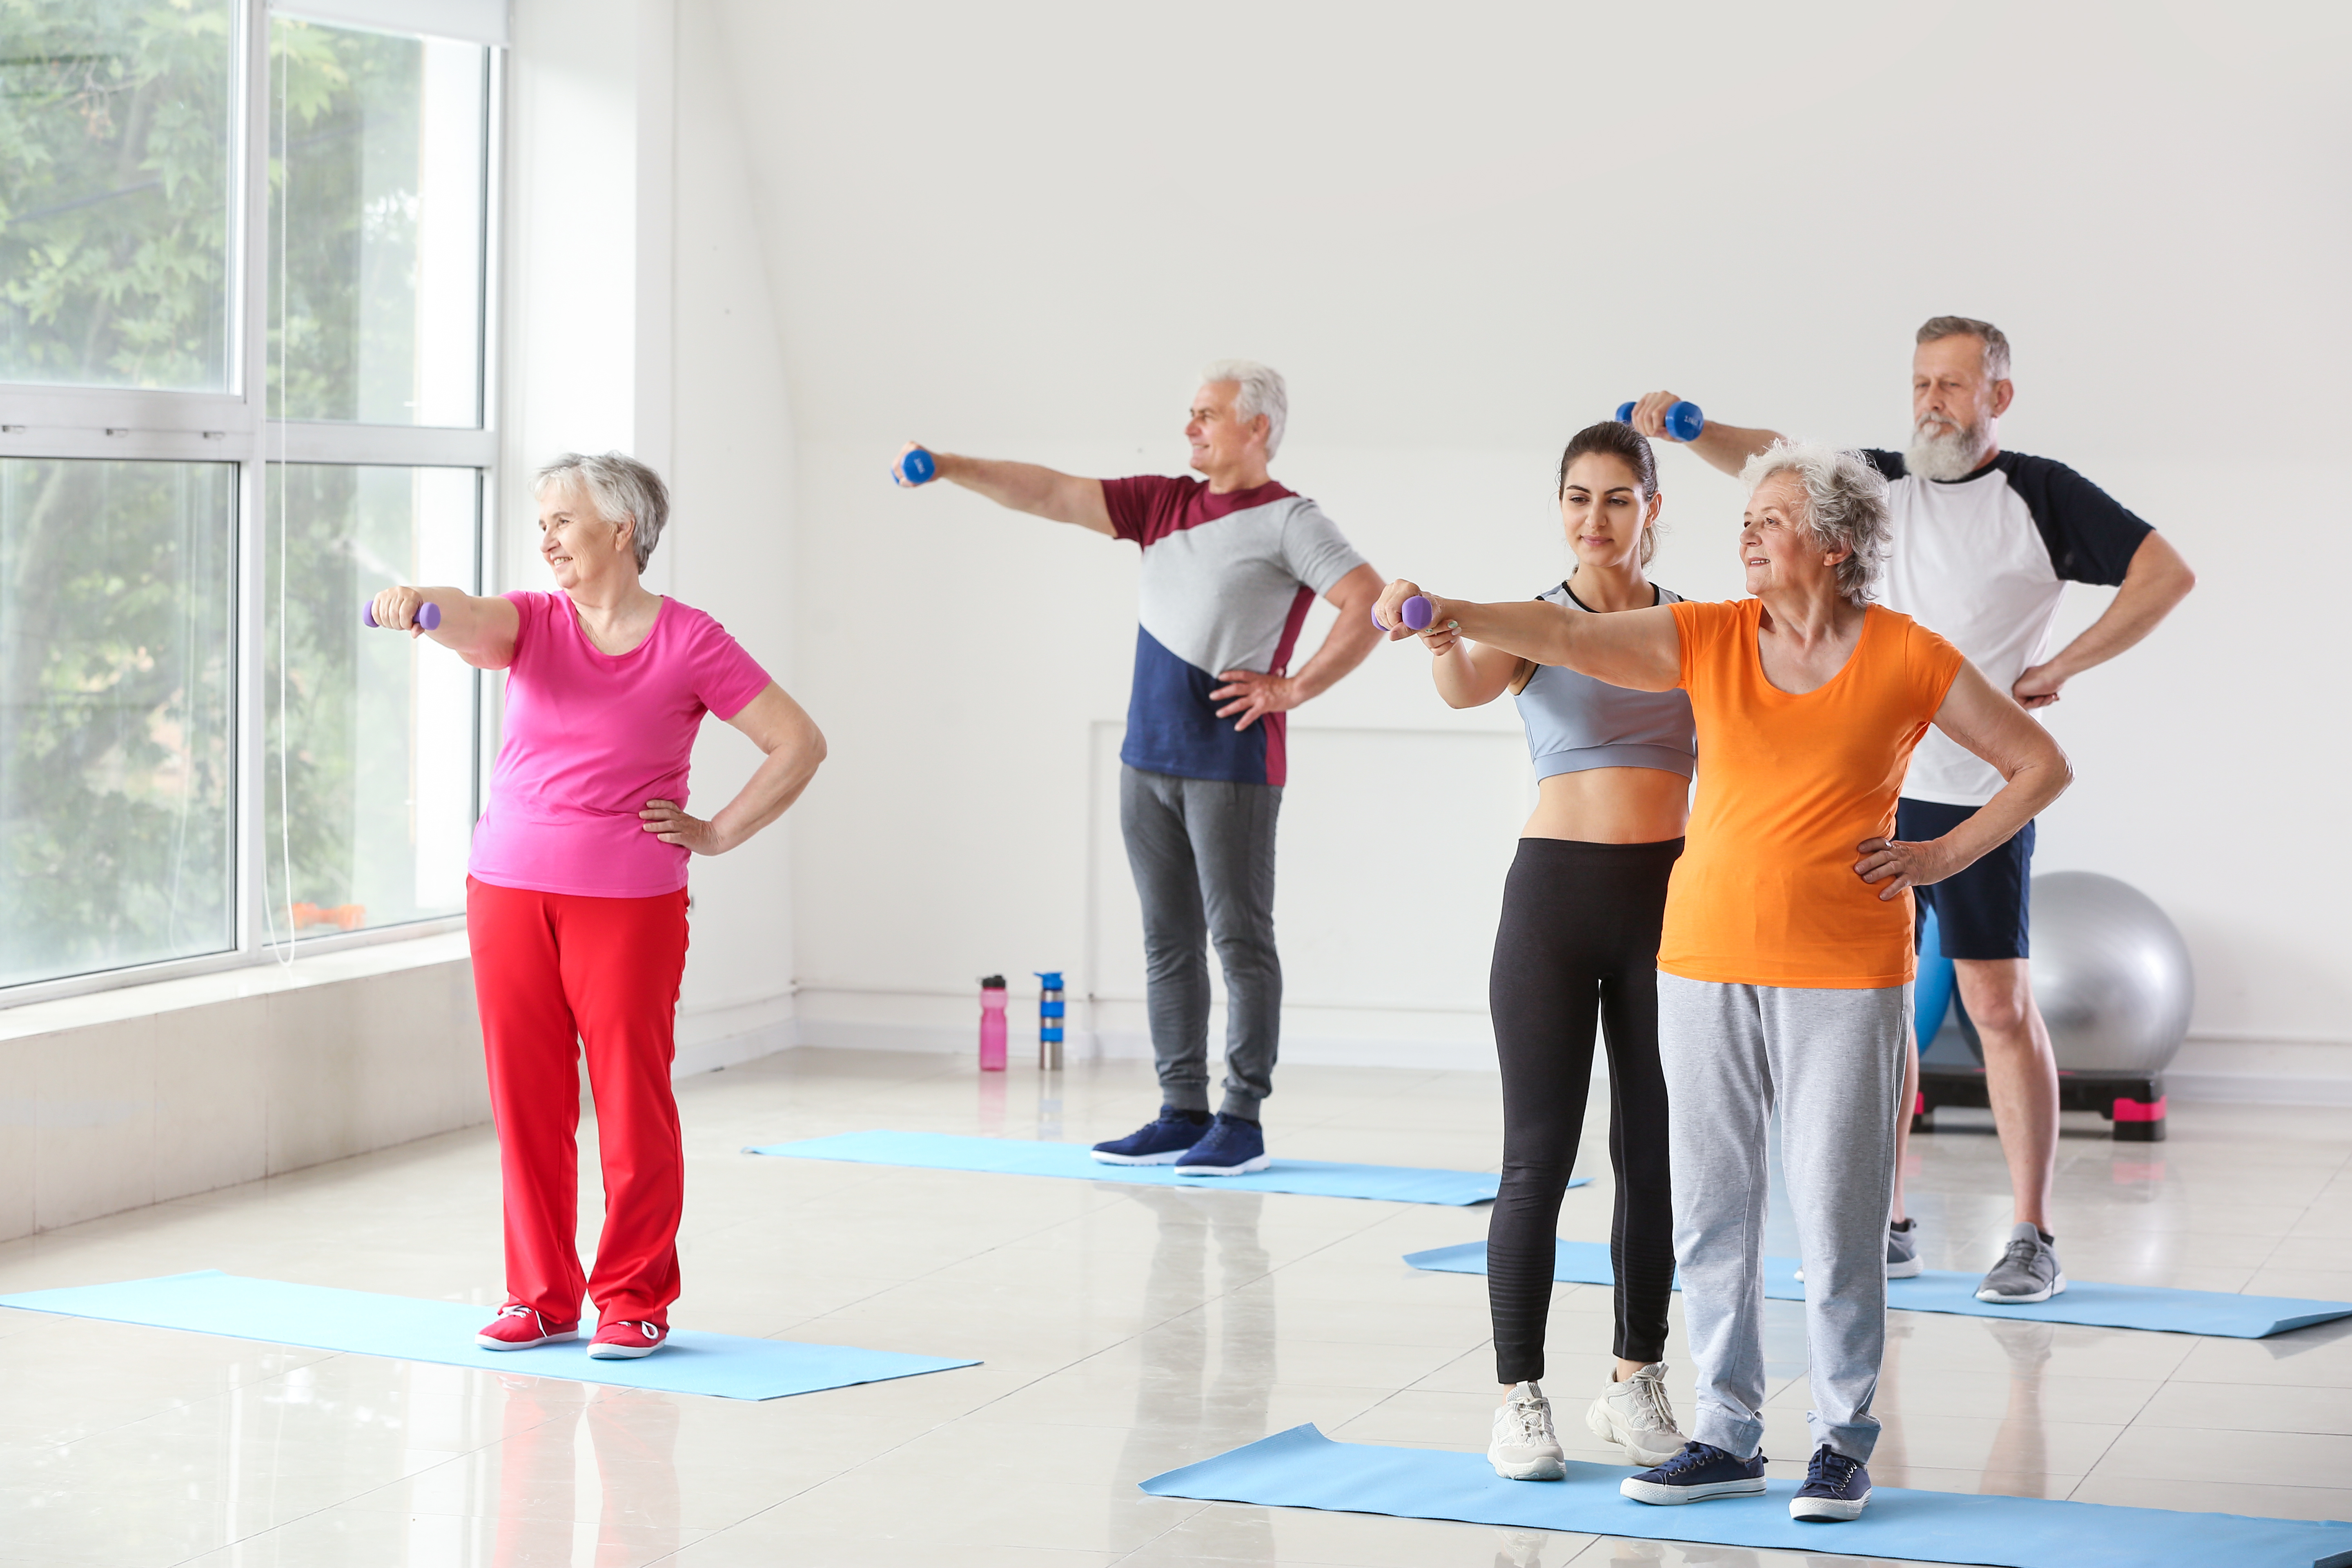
(1638, 648)
(782, 729)
(478, 629)
(1988, 722)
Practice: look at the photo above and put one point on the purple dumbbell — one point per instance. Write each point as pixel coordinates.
(1416, 615)
(428, 617)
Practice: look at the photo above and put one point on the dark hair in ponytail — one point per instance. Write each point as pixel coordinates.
(1615, 439)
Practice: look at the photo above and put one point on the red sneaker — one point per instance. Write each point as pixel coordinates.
(517, 1327)
(619, 1340)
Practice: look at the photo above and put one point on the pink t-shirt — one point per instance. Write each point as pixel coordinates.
(590, 738)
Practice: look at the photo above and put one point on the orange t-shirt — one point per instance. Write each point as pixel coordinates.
(1789, 786)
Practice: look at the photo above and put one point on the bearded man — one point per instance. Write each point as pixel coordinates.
(1984, 544)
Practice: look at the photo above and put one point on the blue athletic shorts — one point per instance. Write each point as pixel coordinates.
(1982, 913)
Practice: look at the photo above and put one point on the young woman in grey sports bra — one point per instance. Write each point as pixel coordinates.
(1578, 945)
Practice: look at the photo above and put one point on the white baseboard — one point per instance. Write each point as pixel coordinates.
(714, 1038)
(2261, 1072)
(1324, 1037)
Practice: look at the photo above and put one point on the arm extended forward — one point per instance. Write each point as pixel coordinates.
(1637, 648)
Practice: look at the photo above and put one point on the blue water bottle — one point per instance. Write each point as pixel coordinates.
(1050, 1009)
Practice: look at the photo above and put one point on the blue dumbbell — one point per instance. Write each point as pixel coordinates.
(916, 468)
(1683, 421)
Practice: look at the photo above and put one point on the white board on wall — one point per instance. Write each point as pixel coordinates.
(1385, 897)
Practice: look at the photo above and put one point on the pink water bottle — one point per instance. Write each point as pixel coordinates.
(992, 1023)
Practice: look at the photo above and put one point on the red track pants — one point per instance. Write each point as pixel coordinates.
(556, 975)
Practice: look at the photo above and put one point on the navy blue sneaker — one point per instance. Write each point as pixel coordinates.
(1835, 1488)
(1159, 1143)
(1700, 1472)
(1233, 1148)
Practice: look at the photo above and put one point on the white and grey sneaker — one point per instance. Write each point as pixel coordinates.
(1903, 1251)
(1524, 1447)
(1636, 1416)
(2028, 1271)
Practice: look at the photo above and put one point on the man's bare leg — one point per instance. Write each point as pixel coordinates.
(1903, 1123)
(2020, 1077)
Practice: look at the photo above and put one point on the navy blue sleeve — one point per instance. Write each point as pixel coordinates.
(1888, 464)
(2090, 535)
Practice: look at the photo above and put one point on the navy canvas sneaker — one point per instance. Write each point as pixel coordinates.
(1233, 1148)
(1159, 1143)
(1835, 1488)
(1700, 1472)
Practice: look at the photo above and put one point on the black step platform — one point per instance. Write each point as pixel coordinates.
(2132, 1103)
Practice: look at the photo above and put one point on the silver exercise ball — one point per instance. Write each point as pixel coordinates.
(2110, 973)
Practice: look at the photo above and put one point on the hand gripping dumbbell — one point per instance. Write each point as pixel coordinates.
(1683, 421)
(428, 617)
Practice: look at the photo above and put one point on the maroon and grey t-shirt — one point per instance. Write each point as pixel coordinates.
(1227, 581)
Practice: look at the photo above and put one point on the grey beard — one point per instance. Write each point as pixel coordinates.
(1953, 455)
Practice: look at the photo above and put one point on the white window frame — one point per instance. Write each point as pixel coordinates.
(235, 426)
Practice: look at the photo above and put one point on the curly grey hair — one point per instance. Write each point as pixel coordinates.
(621, 489)
(1261, 391)
(1845, 506)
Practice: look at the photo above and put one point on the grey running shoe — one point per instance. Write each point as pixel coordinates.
(1903, 1251)
(2028, 1272)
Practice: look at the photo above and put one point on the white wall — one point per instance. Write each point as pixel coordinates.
(1464, 232)
(638, 318)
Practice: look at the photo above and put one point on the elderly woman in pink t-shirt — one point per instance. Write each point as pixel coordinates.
(575, 904)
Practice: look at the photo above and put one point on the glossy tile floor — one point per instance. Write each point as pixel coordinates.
(1123, 1331)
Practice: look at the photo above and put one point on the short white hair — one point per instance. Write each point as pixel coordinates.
(1845, 506)
(1261, 392)
(621, 489)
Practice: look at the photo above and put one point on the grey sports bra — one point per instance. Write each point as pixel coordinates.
(1575, 722)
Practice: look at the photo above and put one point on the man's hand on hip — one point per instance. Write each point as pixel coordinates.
(1254, 695)
(2038, 687)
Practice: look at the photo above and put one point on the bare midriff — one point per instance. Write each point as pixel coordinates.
(1611, 806)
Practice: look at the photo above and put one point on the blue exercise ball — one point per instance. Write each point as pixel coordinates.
(1931, 990)
(2110, 973)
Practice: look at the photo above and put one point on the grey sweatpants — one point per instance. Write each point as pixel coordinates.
(1202, 855)
(1832, 1063)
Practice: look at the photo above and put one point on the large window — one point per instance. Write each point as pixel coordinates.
(243, 319)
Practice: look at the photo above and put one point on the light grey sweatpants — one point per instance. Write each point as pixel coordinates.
(1832, 1063)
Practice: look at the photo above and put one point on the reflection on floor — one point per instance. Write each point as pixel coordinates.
(1124, 1330)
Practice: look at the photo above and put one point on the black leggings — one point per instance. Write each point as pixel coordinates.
(1579, 944)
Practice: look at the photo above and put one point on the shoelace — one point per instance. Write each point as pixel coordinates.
(2020, 1252)
(1694, 1457)
(1650, 1398)
(651, 1331)
(1830, 1468)
(517, 1310)
(1530, 1421)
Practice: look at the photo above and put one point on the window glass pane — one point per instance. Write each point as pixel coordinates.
(371, 732)
(376, 225)
(116, 127)
(115, 798)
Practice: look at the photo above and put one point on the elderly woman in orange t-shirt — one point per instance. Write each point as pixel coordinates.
(1786, 962)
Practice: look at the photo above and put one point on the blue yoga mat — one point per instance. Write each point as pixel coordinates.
(1303, 1469)
(1022, 1157)
(405, 1328)
(2093, 1305)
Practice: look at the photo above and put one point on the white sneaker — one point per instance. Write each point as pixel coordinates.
(1525, 1448)
(1636, 1416)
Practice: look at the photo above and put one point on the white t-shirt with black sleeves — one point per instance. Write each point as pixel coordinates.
(1985, 560)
